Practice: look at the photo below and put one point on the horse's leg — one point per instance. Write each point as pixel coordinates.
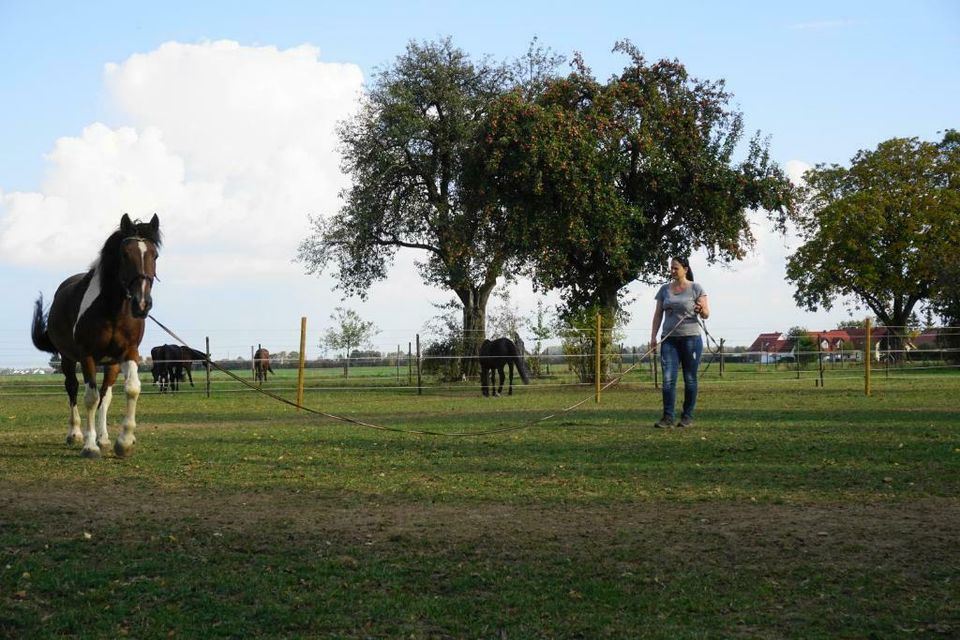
(69, 368)
(123, 447)
(106, 396)
(91, 399)
(510, 367)
(500, 375)
(483, 382)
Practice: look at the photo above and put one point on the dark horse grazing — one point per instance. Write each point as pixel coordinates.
(261, 365)
(495, 354)
(171, 362)
(97, 318)
(161, 366)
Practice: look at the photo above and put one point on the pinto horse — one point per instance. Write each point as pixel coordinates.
(97, 318)
(261, 365)
(495, 355)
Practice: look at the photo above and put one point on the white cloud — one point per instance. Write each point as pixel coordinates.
(232, 146)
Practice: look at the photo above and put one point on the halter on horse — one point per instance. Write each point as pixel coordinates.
(97, 318)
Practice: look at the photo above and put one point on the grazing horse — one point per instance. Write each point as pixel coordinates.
(261, 365)
(171, 362)
(187, 357)
(495, 354)
(159, 368)
(97, 318)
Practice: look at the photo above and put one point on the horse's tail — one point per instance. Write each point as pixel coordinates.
(38, 329)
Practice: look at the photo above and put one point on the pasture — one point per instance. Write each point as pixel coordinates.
(788, 511)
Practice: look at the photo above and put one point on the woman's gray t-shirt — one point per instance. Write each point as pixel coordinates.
(680, 305)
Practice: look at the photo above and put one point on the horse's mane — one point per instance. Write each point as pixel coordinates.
(110, 253)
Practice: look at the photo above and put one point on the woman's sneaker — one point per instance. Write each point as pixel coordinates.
(663, 423)
(685, 421)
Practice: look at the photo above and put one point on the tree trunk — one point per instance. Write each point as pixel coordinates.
(474, 300)
(608, 306)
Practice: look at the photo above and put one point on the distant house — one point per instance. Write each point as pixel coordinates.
(775, 345)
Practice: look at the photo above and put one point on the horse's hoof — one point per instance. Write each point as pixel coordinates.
(121, 451)
(90, 453)
(73, 439)
(104, 445)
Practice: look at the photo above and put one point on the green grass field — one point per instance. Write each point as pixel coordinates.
(788, 511)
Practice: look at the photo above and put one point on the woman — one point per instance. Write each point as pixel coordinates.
(679, 302)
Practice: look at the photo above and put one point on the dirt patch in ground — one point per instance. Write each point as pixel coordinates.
(905, 534)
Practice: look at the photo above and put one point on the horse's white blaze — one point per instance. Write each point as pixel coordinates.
(90, 295)
(143, 283)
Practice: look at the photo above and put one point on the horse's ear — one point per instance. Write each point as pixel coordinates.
(126, 225)
(155, 223)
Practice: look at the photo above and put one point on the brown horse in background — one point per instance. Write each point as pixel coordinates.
(261, 365)
(97, 318)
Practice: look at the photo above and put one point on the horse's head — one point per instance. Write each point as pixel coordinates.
(138, 262)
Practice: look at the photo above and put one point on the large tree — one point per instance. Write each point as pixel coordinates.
(880, 231)
(606, 180)
(406, 153)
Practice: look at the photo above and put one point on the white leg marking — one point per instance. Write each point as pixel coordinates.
(74, 433)
(91, 397)
(103, 438)
(131, 385)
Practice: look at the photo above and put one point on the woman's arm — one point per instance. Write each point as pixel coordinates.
(657, 319)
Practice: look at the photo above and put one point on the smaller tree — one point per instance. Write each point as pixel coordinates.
(541, 331)
(945, 302)
(444, 345)
(880, 231)
(349, 332)
(579, 334)
(504, 319)
(804, 347)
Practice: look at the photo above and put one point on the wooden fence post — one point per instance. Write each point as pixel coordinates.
(300, 365)
(207, 365)
(596, 373)
(419, 380)
(721, 356)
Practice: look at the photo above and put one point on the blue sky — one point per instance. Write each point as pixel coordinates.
(87, 92)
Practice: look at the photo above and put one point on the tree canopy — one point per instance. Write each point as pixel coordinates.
(405, 152)
(880, 231)
(605, 181)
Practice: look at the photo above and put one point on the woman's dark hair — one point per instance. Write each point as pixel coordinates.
(686, 265)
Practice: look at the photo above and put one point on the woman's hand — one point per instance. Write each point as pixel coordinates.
(701, 307)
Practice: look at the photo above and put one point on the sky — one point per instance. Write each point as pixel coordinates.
(220, 117)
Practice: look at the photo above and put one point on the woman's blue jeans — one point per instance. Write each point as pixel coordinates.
(677, 352)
